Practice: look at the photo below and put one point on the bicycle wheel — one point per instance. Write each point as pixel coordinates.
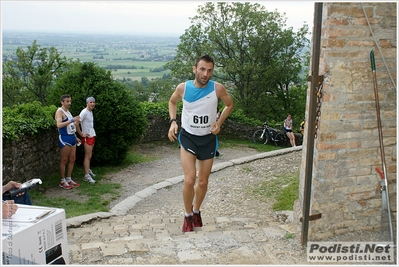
(280, 139)
(259, 137)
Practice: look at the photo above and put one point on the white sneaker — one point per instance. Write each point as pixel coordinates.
(72, 183)
(88, 178)
(91, 173)
(65, 185)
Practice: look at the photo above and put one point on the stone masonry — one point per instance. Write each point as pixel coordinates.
(345, 185)
(31, 156)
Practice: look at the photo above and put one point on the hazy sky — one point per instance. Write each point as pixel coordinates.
(129, 17)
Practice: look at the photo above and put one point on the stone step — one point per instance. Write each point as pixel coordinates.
(143, 239)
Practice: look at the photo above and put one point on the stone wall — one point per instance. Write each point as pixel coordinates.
(345, 187)
(31, 156)
(158, 126)
(157, 129)
(37, 156)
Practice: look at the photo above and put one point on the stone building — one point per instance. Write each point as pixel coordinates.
(344, 184)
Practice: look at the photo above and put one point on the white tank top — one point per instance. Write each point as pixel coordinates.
(199, 108)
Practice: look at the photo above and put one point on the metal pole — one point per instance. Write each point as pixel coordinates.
(381, 139)
(311, 119)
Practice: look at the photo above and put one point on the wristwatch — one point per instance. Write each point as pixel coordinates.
(170, 121)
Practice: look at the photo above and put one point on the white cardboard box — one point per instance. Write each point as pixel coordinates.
(35, 235)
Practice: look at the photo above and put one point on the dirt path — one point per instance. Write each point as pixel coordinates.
(139, 176)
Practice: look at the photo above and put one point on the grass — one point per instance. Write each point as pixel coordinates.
(282, 190)
(90, 198)
(289, 236)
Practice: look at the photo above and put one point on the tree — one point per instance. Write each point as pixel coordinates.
(255, 56)
(155, 90)
(31, 77)
(161, 89)
(119, 120)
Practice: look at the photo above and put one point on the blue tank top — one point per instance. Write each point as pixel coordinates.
(70, 128)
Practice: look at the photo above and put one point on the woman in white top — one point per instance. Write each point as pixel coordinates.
(288, 129)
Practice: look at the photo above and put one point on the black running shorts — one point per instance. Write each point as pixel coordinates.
(204, 147)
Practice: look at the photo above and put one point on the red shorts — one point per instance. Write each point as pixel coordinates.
(89, 140)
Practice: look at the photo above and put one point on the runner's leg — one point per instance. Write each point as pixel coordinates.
(88, 155)
(204, 171)
(71, 160)
(65, 151)
(188, 163)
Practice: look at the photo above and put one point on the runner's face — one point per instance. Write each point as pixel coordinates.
(203, 72)
(91, 105)
(66, 104)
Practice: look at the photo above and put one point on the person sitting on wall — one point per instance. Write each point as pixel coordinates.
(288, 129)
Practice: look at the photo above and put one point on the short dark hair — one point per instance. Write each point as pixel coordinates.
(64, 96)
(206, 58)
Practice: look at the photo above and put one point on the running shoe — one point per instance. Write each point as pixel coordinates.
(188, 224)
(73, 184)
(91, 173)
(197, 219)
(65, 185)
(88, 178)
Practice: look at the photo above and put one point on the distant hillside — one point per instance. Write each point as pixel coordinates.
(131, 56)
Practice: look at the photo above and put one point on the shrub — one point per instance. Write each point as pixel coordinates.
(26, 119)
(159, 108)
(238, 116)
(118, 118)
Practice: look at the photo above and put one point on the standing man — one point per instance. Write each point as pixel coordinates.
(198, 134)
(67, 140)
(88, 135)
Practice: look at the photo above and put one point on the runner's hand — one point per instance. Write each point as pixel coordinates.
(173, 130)
(215, 129)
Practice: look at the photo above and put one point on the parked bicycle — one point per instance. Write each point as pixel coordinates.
(268, 134)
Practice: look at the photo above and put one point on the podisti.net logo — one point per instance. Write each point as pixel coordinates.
(372, 252)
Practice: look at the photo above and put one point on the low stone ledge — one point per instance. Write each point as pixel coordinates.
(124, 206)
(77, 221)
(161, 185)
(176, 180)
(146, 192)
(221, 166)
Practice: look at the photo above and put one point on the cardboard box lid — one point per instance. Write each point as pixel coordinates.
(25, 217)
